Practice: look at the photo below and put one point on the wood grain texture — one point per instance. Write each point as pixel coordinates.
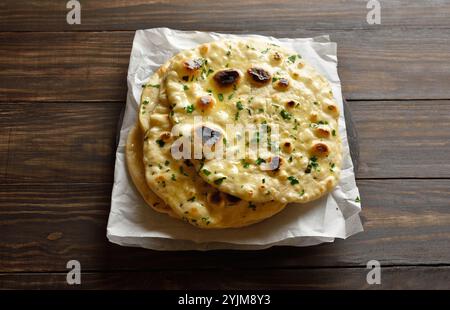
(310, 279)
(56, 142)
(44, 226)
(92, 66)
(231, 15)
(75, 142)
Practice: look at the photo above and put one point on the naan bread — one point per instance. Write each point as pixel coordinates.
(178, 184)
(252, 82)
(134, 159)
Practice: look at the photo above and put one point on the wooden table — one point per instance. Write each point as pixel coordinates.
(62, 88)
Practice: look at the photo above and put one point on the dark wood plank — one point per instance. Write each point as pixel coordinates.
(75, 142)
(78, 66)
(232, 15)
(58, 142)
(403, 139)
(81, 66)
(44, 226)
(310, 279)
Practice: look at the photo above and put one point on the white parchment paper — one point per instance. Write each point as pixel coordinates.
(132, 223)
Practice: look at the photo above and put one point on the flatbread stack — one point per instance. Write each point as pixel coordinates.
(232, 131)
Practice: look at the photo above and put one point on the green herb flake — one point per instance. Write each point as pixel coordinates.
(293, 180)
(274, 79)
(220, 96)
(263, 181)
(185, 87)
(245, 164)
(333, 133)
(292, 58)
(313, 164)
(166, 163)
(192, 199)
(239, 105)
(206, 172)
(357, 200)
(302, 192)
(190, 108)
(173, 178)
(259, 161)
(153, 85)
(219, 180)
(285, 115)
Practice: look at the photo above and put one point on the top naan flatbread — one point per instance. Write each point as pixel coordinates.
(177, 182)
(249, 82)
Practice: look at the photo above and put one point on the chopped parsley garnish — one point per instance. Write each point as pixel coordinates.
(185, 78)
(315, 102)
(185, 87)
(228, 53)
(224, 140)
(358, 200)
(236, 116)
(259, 161)
(293, 180)
(239, 106)
(192, 199)
(220, 96)
(332, 165)
(173, 177)
(230, 96)
(219, 180)
(166, 163)
(245, 164)
(263, 181)
(292, 58)
(145, 102)
(285, 114)
(153, 85)
(313, 164)
(302, 192)
(160, 142)
(274, 79)
(190, 108)
(333, 133)
(206, 172)
(290, 159)
(209, 71)
(260, 110)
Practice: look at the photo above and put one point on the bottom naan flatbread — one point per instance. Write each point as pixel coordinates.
(133, 153)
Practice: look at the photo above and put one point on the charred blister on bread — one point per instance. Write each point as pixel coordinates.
(227, 77)
(259, 76)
